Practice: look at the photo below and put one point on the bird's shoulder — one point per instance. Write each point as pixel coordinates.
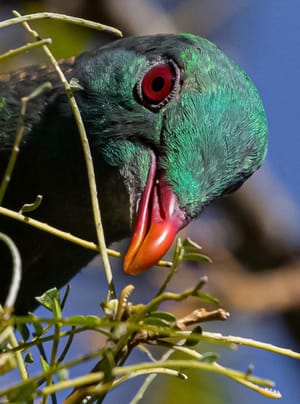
(16, 85)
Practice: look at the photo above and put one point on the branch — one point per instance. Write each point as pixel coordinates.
(16, 271)
(61, 17)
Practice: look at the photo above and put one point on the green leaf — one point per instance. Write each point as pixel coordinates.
(208, 298)
(159, 322)
(44, 364)
(164, 315)
(194, 256)
(49, 300)
(190, 244)
(160, 318)
(209, 357)
(29, 358)
(190, 341)
(192, 252)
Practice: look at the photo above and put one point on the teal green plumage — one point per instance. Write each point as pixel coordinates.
(167, 113)
(216, 100)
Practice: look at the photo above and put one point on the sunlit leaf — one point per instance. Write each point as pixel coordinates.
(209, 357)
(48, 299)
(190, 341)
(164, 315)
(29, 358)
(194, 256)
(208, 298)
(44, 363)
(188, 243)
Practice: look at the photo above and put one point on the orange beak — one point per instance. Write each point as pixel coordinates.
(159, 220)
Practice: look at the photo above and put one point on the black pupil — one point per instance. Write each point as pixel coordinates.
(158, 84)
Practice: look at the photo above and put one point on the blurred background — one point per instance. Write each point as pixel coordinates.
(252, 236)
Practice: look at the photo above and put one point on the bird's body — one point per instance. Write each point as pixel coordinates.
(172, 124)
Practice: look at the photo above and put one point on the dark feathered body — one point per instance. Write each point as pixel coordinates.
(51, 164)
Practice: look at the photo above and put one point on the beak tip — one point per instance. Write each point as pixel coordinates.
(126, 265)
(130, 267)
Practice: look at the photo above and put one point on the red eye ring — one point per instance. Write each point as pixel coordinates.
(158, 85)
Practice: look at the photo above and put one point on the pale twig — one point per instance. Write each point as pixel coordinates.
(64, 235)
(250, 384)
(150, 379)
(217, 337)
(8, 333)
(77, 382)
(157, 300)
(249, 380)
(201, 316)
(30, 207)
(24, 48)
(169, 367)
(16, 271)
(61, 17)
(14, 343)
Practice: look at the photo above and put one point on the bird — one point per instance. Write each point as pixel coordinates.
(172, 124)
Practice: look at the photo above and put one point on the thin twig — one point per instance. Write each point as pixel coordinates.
(201, 316)
(61, 17)
(173, 267)
(65, 235)
(16, 271)
(167, 367)
(67, 346)
(157, 300)
(54, 351)
(216, 337)
(263, 383)
(79, 381)
(19, 358)
(150, 379)
(24, 48)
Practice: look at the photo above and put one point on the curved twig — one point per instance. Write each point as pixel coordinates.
(16, 270)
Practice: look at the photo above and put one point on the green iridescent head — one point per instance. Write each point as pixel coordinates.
(181, 98)
(179, 121)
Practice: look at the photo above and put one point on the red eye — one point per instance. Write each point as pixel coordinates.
(158, 85)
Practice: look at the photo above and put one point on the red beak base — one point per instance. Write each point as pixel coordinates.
(159, 220)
